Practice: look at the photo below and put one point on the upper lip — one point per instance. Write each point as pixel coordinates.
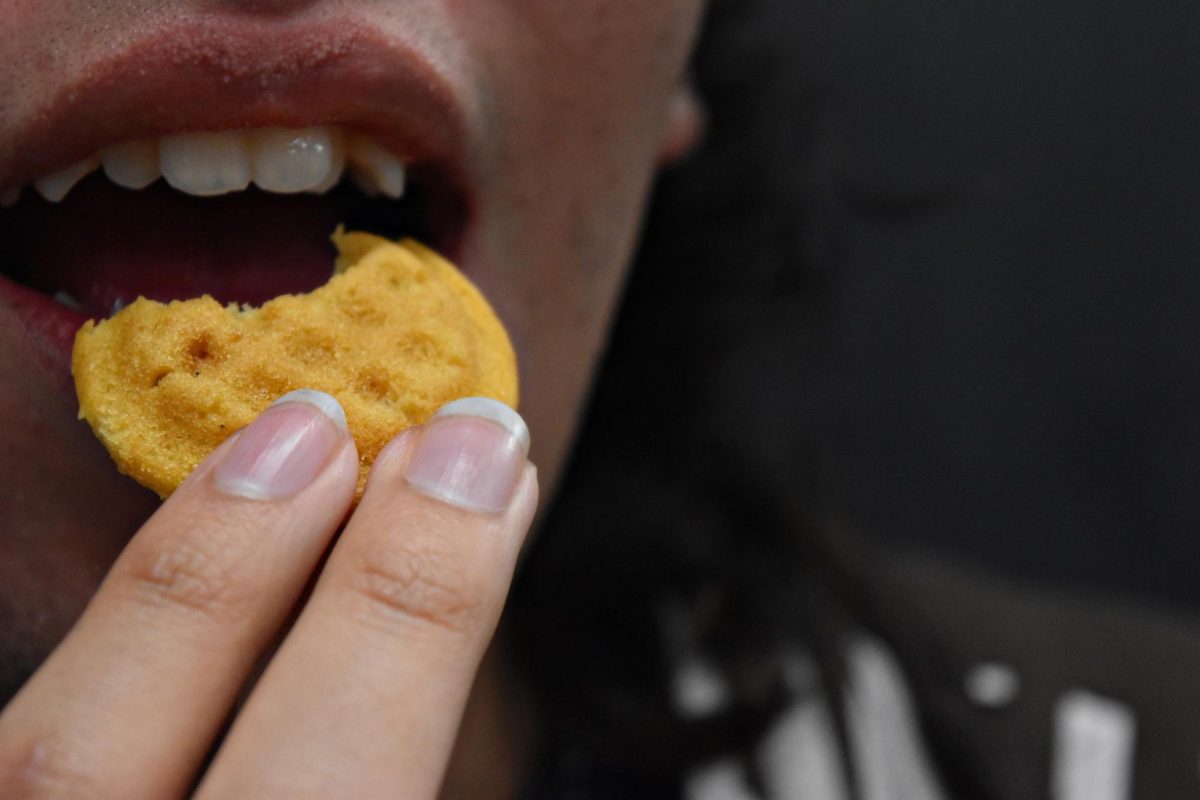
(220, 73)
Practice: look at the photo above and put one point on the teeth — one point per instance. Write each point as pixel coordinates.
(283, 160)
(337, 163)
(133, 165)
(54, 187)
(66, 299)
(206, 164)
(374, 169)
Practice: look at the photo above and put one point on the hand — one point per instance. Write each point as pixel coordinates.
(364, 695)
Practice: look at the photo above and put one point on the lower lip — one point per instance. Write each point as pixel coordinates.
(46, 326)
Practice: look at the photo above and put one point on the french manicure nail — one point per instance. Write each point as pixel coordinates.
(285, 449)
(470, 454)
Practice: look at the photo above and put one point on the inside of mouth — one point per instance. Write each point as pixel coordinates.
(104, 246)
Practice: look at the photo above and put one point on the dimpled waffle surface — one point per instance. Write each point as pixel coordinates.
(396, 333)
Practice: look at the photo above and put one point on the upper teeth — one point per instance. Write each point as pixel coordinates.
(281, 160)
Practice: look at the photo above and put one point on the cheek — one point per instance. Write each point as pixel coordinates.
(627, 48)
(574, 105)
(575, 98)
(575, 101)
(595, 54)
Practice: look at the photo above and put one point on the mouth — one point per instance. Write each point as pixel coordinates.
(222, 172)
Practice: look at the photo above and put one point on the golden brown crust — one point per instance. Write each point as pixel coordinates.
(396, 333)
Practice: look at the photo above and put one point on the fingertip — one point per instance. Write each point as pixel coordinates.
(284, 450)
(524, 505)
(394, 455)
(253, 462)
(326, 403)
(493, 410)
(470, 455)
(525, 498)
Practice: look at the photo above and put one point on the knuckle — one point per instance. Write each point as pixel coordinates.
(421, 580)
(41, 770)
(180, 573)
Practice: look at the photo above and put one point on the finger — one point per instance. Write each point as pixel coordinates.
(130, 702)
(365, 696)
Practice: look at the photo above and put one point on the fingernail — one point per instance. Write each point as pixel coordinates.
(285, 449)
(470, 454)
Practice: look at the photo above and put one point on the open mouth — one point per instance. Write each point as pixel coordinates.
(216, 156)
(242, 216)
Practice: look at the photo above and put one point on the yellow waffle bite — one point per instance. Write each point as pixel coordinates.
(397, 332)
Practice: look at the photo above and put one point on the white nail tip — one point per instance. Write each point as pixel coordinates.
(492, 410)
(323, 402)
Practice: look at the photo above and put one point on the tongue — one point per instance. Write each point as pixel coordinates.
(105, 246)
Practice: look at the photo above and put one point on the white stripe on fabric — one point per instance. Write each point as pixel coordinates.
(886, 748)
(724, 780)
(1093, 748)
(698, 689)
(801, 759)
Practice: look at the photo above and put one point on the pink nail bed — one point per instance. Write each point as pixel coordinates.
(285, 449)
(470, 455)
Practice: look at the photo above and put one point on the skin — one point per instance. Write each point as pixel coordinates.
(572, 108)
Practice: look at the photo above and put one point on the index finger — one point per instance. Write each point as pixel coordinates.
(154, 665)
(365, 695)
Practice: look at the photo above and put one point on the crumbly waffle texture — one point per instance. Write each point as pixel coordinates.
(397, 332)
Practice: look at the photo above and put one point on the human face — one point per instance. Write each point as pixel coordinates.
(534, 125)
